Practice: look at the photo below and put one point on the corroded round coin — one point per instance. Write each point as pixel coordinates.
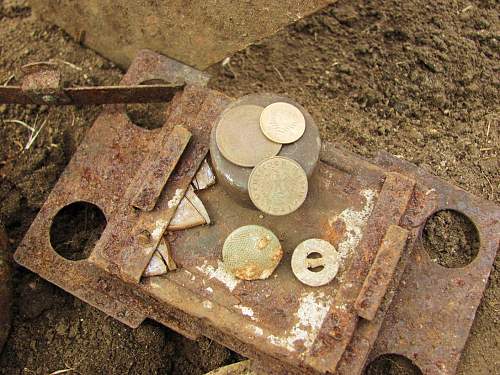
(282, 122)
(278, 186)
(251, 252)
(239, 138)
(326, 262)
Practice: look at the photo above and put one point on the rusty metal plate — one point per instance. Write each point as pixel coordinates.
(198, 33)
(431, 316)
(281, 323)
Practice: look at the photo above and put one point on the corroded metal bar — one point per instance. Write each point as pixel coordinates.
(91, 95)
(42, 84)
(338, 329)
(159, 166)
(381, 273)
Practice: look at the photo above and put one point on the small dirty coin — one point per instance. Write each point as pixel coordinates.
(239, 138)
(282, 122)
(326, 262)
(278, 186)
(251, 252)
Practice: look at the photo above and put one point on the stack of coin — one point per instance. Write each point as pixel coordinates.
(252, 136)
(240, 139)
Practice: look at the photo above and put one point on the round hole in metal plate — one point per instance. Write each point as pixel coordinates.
(75, 230)
(148, 115)
(450, 239)
(392, 364)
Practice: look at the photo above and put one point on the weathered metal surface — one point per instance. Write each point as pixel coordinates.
(198, 33)
(42, 84)
(158, 166)
(381, 274)
(5, 290)
(44, 87)
(88, 95)
(127, 255)
(432, 313)
(339, 327)
(282, 324)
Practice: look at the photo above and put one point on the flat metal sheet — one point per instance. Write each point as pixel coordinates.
(281, 323)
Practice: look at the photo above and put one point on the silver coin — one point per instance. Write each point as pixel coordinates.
(282, 122)
(251, 252)
(239, 138)
(302, 264)
(278, 186)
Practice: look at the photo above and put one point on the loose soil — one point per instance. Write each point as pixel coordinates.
(451, 239)
(392, 364)
(416, 78)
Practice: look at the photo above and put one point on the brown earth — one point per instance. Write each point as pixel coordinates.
(416, 78)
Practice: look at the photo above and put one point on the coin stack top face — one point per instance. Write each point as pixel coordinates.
(278, 186)
(240, 139)
(251, 252)
(282, 122)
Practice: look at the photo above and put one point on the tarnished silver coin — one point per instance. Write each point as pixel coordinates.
(251, 252)
(303, 264)
(278, 186)
(239, 138)
(282, 122)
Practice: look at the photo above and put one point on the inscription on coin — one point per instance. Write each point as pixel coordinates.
(278, 186)
(282, 122)
(240, 139)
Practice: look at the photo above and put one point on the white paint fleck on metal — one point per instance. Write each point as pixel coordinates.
(257, 330)
(354, 223)
(219, 274)
(160, 225)
(176, 198)
(209, 289)
(247, 311)
(313, 308)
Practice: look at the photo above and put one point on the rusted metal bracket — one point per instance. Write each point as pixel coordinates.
(381, 273)
(372, 212)
(42, 84)
(158, 167)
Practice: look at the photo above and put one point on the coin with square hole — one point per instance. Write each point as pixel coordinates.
(315, 262)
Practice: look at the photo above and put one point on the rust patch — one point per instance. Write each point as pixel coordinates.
(381, 273)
